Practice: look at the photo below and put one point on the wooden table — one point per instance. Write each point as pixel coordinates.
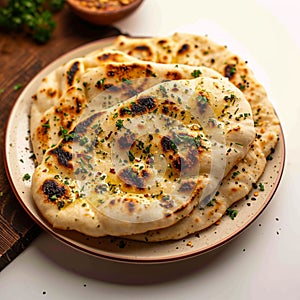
(20, 60)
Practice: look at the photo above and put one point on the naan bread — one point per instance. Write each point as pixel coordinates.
(68, 99)
(60, 98)
(194, 50)
(145, 163)
(186, 51)
(200, 51)
(55, 84)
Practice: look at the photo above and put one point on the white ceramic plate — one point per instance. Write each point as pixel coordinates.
(18, 162)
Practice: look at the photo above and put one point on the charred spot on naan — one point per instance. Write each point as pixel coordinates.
(189, 157)
(190, 160)
(237, 72)
(123, 70)
(72, 72)
(139, 107)
(168, 107)
(187, 186)
(83, 126)
(62, 156)
(126, 141)
(108, 57)
(195, 191)
(55, 193)
(142, 51)
(130, 204)
(230, 70)
(50, 92)
(168, 145)
(173, 75)
(70, 108)
(184, 49)
(134, 178)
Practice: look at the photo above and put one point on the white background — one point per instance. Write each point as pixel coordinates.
(263, 262)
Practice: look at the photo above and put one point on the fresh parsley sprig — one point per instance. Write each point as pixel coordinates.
(35, 17)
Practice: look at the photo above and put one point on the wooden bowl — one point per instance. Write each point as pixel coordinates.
(101, 16)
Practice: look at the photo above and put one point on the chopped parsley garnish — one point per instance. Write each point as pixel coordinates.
(100, 83)
(147, 149)
(53, 198)
(202, 99)
(60, 204)
(126, 110)
(235, 174)
(163, 91)
(196, 73)
(131, 156)
(63, 132)
(70, 136)
(126, 80)
(261, 187)
(211, 202)
(239, 144)
(269, 157)
(232, 213)
(119, 123)
(230, 98)
(46, 125)
(241, 86)
(232, 71)
(83, 141)
(140, 145)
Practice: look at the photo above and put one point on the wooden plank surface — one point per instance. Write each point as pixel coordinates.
(20, 60)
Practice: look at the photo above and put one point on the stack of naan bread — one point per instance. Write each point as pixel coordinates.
(152, 139)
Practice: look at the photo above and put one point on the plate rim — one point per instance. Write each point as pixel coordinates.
(116, 256)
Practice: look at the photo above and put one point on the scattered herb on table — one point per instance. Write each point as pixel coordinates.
(34, 17)
(18, 86)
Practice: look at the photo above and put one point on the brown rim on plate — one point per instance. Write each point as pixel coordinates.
(17, 148)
